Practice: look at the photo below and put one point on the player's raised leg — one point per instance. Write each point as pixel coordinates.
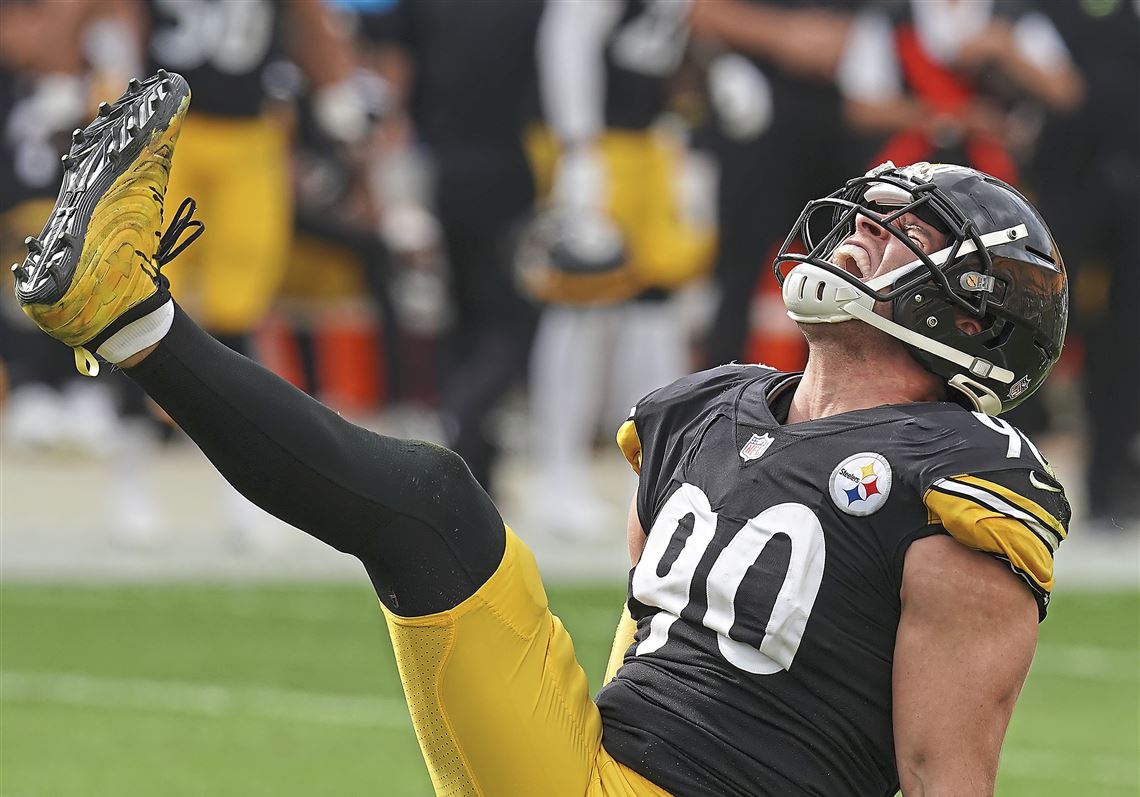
(499, 702)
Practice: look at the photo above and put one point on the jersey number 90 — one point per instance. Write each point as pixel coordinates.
(681, 540)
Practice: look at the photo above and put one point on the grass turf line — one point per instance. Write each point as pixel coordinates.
(293, 690)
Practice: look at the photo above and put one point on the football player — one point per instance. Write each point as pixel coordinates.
(838, 573)
(235, 158)
(611, 243)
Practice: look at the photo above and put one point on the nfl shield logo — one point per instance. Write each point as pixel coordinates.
(756, 446)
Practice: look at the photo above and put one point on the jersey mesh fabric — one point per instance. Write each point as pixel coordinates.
(421, 653)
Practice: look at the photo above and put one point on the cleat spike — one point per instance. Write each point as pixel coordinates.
(65, 159)
(133, 84)
(132, 124)
(163, 74)
(70, 240)
(104, 109)
(20, 272)
(34, 246)
(77, 136)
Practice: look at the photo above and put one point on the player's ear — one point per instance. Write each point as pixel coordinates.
(967, 325)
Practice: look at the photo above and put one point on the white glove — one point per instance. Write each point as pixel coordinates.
(742, 96)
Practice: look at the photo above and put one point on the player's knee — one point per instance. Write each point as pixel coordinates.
(437, 486)
(441, 521)
(431, 468)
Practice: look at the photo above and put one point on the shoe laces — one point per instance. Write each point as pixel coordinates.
(170, 245)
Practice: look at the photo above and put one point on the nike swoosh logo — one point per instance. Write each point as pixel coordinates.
(1040, 485)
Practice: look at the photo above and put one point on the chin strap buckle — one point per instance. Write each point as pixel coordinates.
(980, 367)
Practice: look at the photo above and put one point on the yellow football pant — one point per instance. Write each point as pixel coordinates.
(665, 250)
(499, 702)
(237, 170)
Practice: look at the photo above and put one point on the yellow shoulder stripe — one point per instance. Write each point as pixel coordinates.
(985, 529)
(630, 445)
(1042, 515)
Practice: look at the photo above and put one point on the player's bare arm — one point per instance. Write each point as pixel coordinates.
(965, 642)
(320, 44)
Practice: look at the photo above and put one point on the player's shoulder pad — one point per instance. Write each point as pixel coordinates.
(988, 485)
(679, 402)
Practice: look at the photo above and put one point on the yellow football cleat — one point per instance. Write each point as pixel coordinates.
(91, 279)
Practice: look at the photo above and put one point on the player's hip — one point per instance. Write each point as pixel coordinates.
(499, 702)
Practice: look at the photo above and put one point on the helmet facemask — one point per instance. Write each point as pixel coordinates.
(927, 293)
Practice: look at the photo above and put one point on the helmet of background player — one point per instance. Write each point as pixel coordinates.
(574, 256)
(1000, 267)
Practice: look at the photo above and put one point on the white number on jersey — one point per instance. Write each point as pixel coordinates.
(667, 586)
(653, 42)
(1015, 437)
(233, 36)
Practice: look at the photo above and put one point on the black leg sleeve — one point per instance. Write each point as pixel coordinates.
(428, 535)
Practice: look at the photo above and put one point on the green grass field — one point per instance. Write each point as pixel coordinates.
(293, 690)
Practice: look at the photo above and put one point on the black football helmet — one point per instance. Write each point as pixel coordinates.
(1001, 266)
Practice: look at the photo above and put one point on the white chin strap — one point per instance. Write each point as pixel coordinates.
(814, 295)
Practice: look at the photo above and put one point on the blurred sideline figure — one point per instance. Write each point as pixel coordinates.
(466, 71)
(947, 80)
(1088, 172)
(335, 294)
(610, 244)
(234, 157)
(235, 163)
(44, 94)
(958, 82)
(780, 141)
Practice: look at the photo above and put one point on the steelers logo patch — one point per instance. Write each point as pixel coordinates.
(861, 483)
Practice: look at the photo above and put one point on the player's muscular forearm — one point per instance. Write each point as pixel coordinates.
(410, 511)
(965, 641)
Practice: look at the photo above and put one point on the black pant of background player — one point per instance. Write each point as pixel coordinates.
(1093, 212)
(481, 201)
(764, 184)
(1086, 169)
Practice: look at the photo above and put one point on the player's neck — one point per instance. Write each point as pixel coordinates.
(834, 382)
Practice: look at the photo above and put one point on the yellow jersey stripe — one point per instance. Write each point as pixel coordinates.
(983, 528)
(999, 505)
(1039, 513)
(630, 445)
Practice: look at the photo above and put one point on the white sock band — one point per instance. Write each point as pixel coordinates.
(138, 334)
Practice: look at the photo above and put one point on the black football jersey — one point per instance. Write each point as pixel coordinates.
(37, 116)
(221, 47)
(641, 55)
(767, 596)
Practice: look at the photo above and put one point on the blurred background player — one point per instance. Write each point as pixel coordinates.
(611, 242)
(234, 160)
(950, 81)
(335, 300)
(465, 71)
(779, 141)
(45, 92)
(1087, 171)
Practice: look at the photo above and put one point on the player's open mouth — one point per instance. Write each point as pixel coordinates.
(853, 259)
